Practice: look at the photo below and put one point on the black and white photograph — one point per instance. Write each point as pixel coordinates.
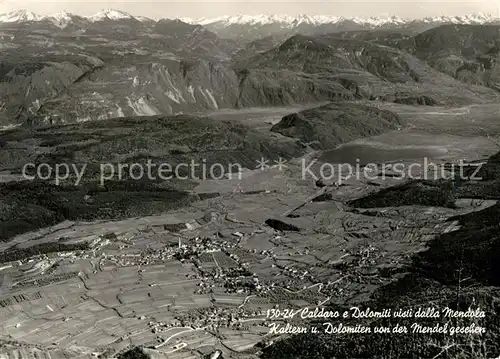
(248, 179)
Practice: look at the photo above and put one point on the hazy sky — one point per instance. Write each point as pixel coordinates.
(206, 8)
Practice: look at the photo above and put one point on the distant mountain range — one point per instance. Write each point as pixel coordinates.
(63, 17)
(293, 21)
(251, 27)
(255, 27)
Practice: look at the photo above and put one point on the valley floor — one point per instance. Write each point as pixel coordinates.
(173, 282)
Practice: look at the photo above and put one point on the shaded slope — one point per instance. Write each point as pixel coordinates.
(328, 126)
(28, 205)
(469, 53)
(415, 193)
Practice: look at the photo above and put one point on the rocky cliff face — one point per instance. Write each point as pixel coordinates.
(146, 89)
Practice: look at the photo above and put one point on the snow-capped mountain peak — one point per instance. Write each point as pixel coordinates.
(143, 18)
(62, 15)
(380, 21)
(19, 16)
(475, 18)
(110, 14)
(478, 18)
(61, 19)
(304, 19)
